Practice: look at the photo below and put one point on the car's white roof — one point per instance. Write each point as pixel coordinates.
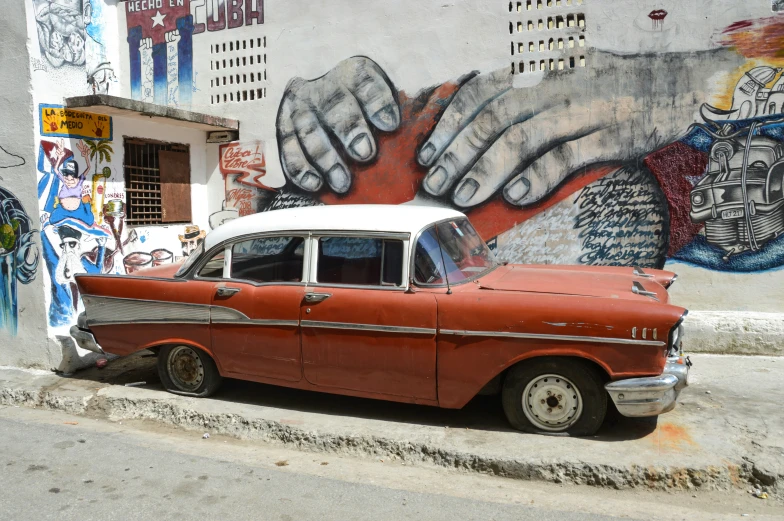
(350, 217)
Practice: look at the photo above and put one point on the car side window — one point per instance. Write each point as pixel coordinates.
(213, 269)
(428, 262)
(268, 259)
(360, 261)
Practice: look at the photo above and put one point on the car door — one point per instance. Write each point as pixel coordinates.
(361, 330)
(254, 313)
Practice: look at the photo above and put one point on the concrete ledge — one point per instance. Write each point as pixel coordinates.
(710, 441)
(117, 106)
(734, 332)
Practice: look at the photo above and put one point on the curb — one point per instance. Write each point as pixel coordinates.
(118, 403)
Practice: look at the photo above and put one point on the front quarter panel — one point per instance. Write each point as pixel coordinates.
(522, 325)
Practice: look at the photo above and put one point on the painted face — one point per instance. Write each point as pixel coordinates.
(70, 262)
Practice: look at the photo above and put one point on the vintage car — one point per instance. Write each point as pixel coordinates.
(403, 303)
(737, 217)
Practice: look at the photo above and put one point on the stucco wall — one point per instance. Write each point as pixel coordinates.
(578, 132)
(68, 48)
(591, 157)
(22, 328)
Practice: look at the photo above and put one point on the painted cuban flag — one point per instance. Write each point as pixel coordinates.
(160, 44)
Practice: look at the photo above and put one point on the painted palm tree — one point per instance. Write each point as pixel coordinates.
(100, 152)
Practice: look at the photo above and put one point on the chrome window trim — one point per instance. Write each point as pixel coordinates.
(125, 276)
(537, 336)
(412, 254)
(354, 286)
(368, 327)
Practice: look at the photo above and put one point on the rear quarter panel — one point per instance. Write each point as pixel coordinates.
(468, 363)
(131, 313)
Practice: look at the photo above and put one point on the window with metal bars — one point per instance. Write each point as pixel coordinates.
(157, 182)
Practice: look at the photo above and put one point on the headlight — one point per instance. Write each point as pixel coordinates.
(697, 199)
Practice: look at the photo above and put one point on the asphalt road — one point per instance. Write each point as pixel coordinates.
(63, 471)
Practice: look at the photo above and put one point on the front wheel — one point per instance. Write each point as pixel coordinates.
(555, 396)
(188, 371)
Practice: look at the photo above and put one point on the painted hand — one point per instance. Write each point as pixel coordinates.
(343, 104)
(526, 141)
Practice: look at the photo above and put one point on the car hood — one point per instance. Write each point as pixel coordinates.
(589, 281)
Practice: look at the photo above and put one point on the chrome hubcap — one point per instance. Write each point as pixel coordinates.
(185, 368)
(552, 403)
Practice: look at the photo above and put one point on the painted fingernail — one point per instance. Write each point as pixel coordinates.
(426, 153)
(466, 191)
(435, 180)
(517, 190)
(386, 118)
(338, 179)
(360, 146)
(310, 181)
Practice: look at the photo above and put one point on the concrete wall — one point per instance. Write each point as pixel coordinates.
(594, 131)
(54, 227)
(22, 330)
(569, 131)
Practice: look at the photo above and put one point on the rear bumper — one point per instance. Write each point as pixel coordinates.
(85, 340)
(636, 397)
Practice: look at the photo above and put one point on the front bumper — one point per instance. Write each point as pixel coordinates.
(636, 397)
(85, 340)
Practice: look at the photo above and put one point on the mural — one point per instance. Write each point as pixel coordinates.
(160, 42)
(71, 33)
(161, 51)
(243, 167)
(18, 255)
(597, 176)
(82, 202)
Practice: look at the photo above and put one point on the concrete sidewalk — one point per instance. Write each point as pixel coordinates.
(727, 431)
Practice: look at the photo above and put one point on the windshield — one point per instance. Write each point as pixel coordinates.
(462, 253)
(192, 258)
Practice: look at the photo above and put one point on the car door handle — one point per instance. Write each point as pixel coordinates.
(316, 297)
(227, 292)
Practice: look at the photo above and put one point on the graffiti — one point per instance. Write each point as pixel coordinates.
(191, 238)
(101, 78)
(38, 64)
(246, 160)
(161, 51)
(58, 121)
(19, 257)
(9, 160)
(777, 5)
(61, 30)
(657, 17)
(100, 151)
(614, 180)
(221, 14)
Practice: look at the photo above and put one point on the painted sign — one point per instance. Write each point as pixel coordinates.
(58, 121)
(246, 160)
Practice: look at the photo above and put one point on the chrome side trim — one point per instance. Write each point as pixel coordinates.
(368, 327)
(537, 336)
(258, 322)
(117, 310)
(126, 277)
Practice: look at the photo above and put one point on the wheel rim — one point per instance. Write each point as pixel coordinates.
(185, 368)
(552, 403)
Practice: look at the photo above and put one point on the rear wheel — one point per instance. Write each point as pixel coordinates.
(187, 370)
(555, 396)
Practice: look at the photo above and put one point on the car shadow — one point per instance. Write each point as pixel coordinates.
(483, 413)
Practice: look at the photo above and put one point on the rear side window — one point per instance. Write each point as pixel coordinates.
(268, 259)
(360, 261)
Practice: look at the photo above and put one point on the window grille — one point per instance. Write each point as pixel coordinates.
(157, 182)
